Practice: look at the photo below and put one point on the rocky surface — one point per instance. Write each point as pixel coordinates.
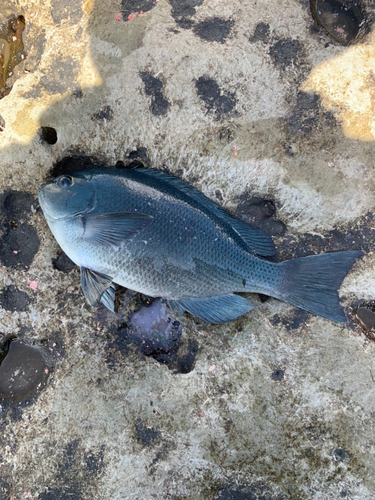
(268, 115)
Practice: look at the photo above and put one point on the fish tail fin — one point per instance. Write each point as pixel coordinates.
(311, 283)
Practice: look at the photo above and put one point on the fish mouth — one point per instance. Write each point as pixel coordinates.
(51, 218)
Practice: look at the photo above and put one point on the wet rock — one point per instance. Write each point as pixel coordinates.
(261, 33)
(342, 20)
(13, 299)
(285, 52)
(11, 50)
(214, 30)
(217, 101)
(22, 370)
(153, 88)
(129, 7)
(63, 263)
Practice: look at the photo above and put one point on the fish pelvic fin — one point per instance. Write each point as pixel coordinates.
(97, 286)
(311, 283)
(220, 309)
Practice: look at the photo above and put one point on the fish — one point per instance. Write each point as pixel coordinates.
(154, 233)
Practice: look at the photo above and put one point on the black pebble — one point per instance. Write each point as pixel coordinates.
(2, 127)
(277, 375)
(341, 455)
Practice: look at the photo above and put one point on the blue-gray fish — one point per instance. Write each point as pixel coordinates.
(154, 233)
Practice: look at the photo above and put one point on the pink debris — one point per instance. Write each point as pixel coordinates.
(15, 252)
(46, 370)
(118, 17)
(131, 16)
(54, 344)
(33, 285)
(26, 267)
(202, 414)
(211, 368)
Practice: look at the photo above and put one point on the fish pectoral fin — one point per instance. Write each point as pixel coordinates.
(220, 309)
(114, 228)
(96, 287)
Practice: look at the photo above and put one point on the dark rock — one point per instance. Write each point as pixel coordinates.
(214, 30)
(63, 263)
(148, 436)
(153, 88)
(217, 101)
(130, 6)
(261, 33)
(285, 52)
(13, 299)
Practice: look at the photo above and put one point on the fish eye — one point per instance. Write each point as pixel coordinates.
(65, 181)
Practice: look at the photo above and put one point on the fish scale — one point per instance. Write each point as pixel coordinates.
(156, 234)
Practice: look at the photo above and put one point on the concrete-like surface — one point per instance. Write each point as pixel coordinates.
(248, 101)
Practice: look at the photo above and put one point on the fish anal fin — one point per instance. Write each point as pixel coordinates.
(219, 309)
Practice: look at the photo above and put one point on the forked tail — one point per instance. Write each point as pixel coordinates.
(312, 282)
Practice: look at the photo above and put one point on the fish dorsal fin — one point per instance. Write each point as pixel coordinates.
(220, 309)
(114, 228)
(251, 238)
(94, 285)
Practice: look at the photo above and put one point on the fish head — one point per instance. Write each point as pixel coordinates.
(67, 196)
